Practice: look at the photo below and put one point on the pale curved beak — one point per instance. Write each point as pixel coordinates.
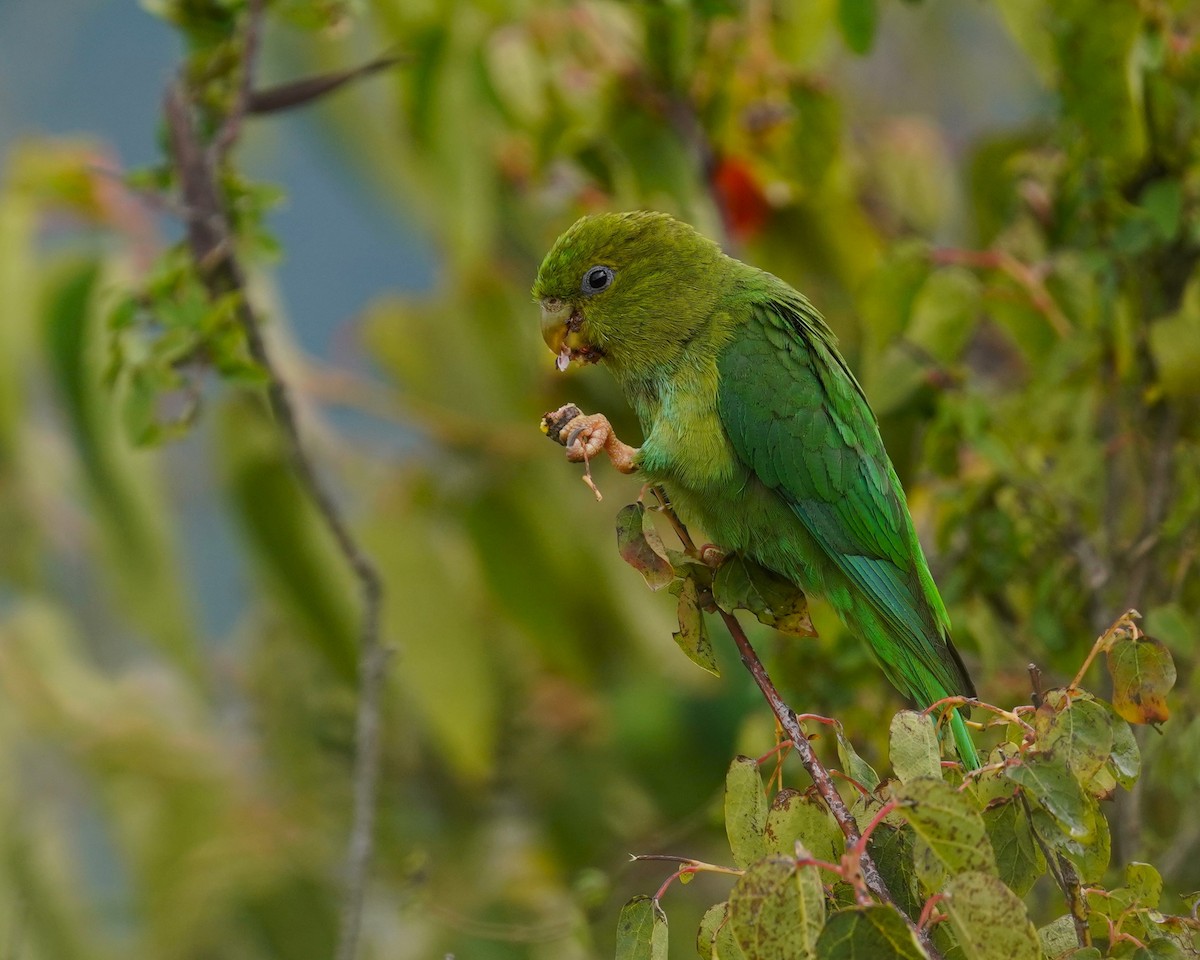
(555, 314)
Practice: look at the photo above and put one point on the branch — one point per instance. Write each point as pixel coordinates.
(212, 247)
(1023, 274)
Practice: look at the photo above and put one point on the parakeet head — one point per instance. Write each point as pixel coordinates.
(627, 288)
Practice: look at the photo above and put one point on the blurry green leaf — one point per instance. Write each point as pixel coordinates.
(642, 930)
(1050, 784)
(1094, 77)
(294, 551)
(777, 910)
(1162, 201)
(1019, 859)
(816, 132)
(854, 766)
(914, 747)
(641, 547)
(745, 811)
(122, 489)
(868, 933)
(692, 635)
(1142, 672)
(946, 821)
(1144, 882)
(1058, 937)
(944, 313)
(1175, 346)
(857, 20)
(795, 816)
(1161, 948)
(740, 583)
(989, 919)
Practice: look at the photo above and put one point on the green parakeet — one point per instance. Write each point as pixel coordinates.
(754, 425)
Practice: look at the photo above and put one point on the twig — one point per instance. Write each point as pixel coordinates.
(231, 126)
(1123, 622)
(212, 247)
(1067, 879)
(1024, 275)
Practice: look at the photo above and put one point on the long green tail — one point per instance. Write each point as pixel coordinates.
(963, 741)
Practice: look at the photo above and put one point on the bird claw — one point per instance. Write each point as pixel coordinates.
(586, 436)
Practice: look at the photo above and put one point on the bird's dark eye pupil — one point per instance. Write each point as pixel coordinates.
(597, 279)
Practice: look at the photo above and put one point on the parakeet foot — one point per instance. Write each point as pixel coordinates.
(588, 435)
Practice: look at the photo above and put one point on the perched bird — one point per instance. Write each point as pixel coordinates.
(754, 425)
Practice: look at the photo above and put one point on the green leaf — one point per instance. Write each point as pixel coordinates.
(949, 825)
(777, 910)
(868, 933)
(1089, 854)
(1162, 200)
(1058, 937)
(713, 920)
(1049, 783)
(857, 19)
(1019, 859)
(914, 747)
(853, 765)
(1175, 346)
(1161, 948)
(1078, 731)
(641, 547)
(989, 919)
(741, 584)
(892, 849)
(944, 313)
(1125, 762)
(1142, 672)
(642, 930)
(745, 811)
(794, 816)
(692, 635)
(1144, 882)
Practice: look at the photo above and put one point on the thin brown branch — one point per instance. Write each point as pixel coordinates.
(300, 93)
(212, 247)
(231, 126)
(1024, 275)
(816, 770)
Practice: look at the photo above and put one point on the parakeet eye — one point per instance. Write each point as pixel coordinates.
(597, 279)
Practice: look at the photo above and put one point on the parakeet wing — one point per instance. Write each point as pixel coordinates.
(798, 419)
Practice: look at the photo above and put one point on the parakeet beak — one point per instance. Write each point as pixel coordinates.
(560, 330)
(555, 317)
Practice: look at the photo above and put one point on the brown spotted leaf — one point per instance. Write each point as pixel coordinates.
(793, 817)
(989, 919)
(1142, 672)
(745, 811)
(868, 933)
(741, 584)
(642, 548)
(692, 635)
(948, 823)
(913, 746)
(777, 909)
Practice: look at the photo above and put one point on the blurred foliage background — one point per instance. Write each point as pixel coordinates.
(996, 205)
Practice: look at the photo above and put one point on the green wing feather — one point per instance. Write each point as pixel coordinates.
(798, 419)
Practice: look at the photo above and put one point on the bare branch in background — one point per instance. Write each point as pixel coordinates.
(212, 247)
